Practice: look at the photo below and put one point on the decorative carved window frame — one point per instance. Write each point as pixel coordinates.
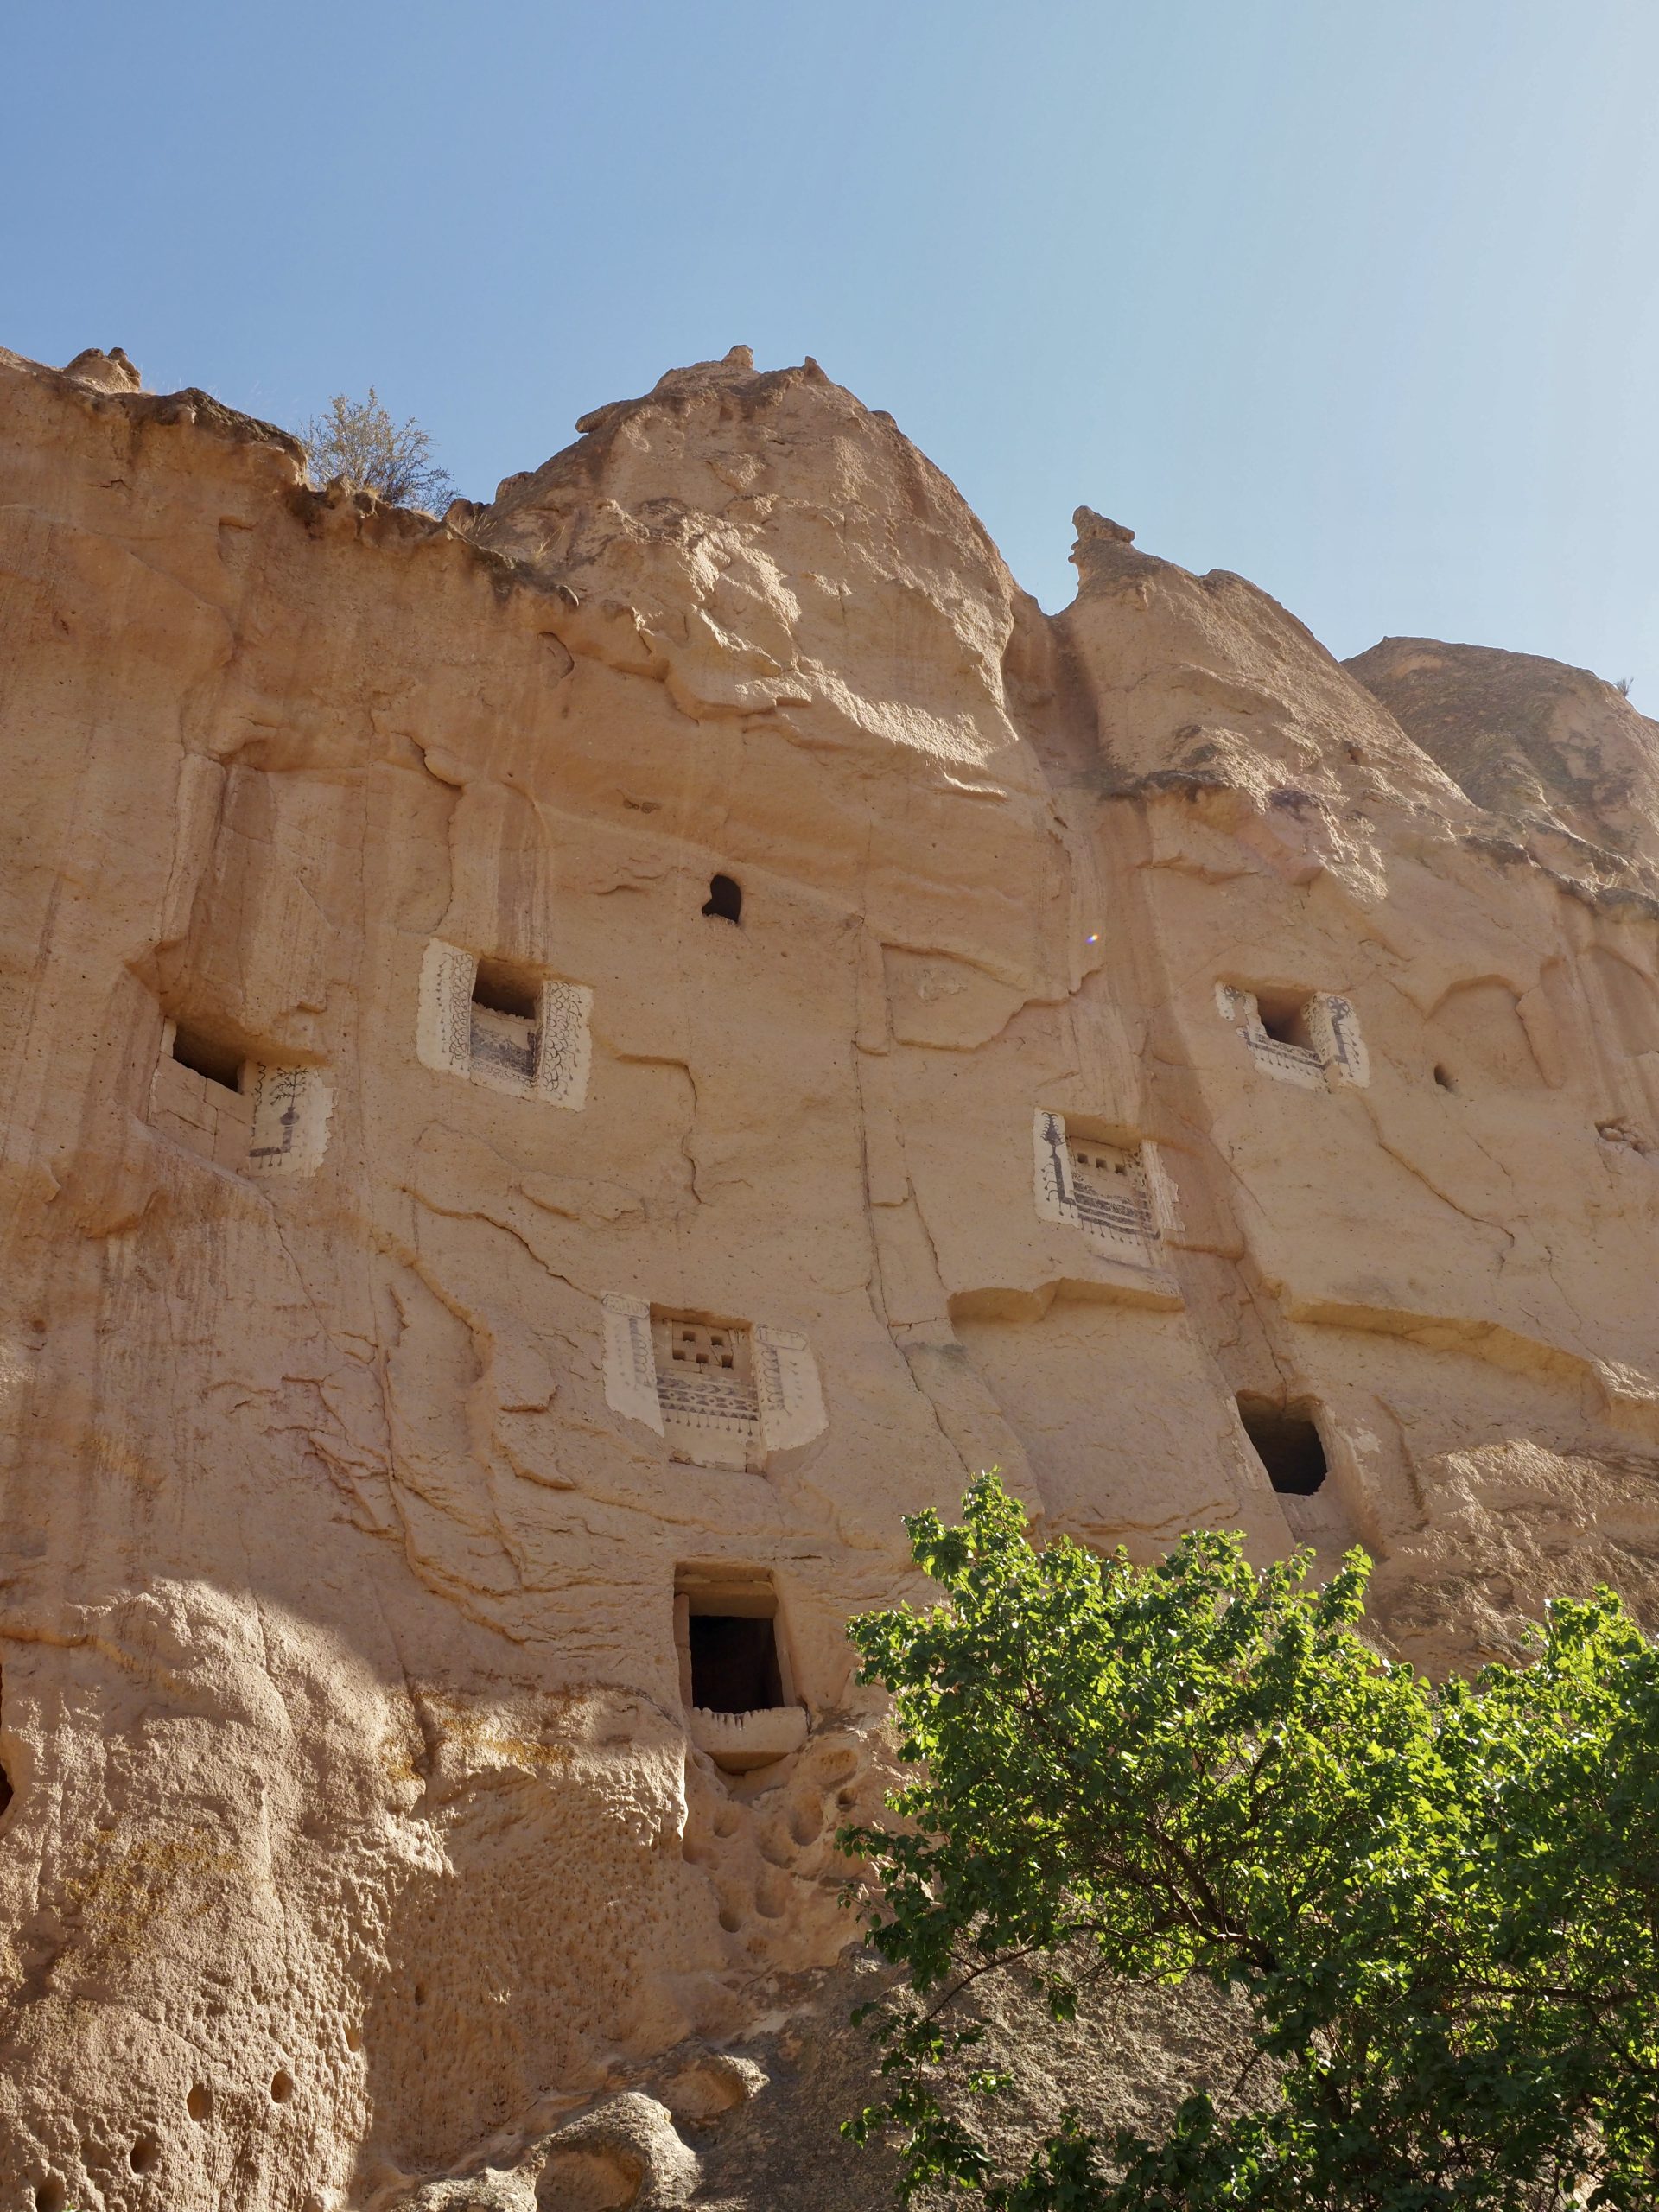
(783, 1382)
(1129, 1229)
(275, 1122)
(559, 1045)
(739, 1742)
(1336, 1054)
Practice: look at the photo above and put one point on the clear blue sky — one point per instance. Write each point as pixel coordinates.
(1360, 297)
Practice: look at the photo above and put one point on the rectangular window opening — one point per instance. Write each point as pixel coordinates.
(732, 1647)
(500, 987)
(1287, 1442)
(1283, 1014)
(220, 1064)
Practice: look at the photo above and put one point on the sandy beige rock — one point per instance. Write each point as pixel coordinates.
(1557, 754)
(565, 1067)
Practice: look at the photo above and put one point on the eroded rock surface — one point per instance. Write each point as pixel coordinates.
(566, 1065)
(1559, 755)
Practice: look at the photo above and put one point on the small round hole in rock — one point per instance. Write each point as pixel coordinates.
(1443, 1076)
(199, 2102)
(725, 899)
(282, 2088)
(49, 2196)
(145, 2155)
(806, 1824)
(420, 1992)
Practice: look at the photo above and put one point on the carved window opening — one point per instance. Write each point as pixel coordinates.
(1287, 1441)
(733, 1662)
(1311, 1038)
(725, 899)
(205, 1057)
(1113, 1192)
(1283, 1014)
(505, 1025)
(706, 1389)
(503, 988)
(254, 1117)
(736, 1679)
(502, 1032)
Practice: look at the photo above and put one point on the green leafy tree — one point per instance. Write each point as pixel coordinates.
(1438, 1902)
(358, 439)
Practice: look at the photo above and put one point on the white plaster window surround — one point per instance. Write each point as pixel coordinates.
(1118, 1196)
(544, 1053)
(723, 1393)
(291, 1108)
(1325, 1047)
(740, 1741)
(272, 1120)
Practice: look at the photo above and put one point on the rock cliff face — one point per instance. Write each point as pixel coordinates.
(565, 1067)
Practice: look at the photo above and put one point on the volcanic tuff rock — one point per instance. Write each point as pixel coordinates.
(564, 1066)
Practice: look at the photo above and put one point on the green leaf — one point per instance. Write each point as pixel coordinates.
(1439, 1903)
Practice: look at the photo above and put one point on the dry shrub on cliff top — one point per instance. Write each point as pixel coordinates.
(357, 439)
(1438, 1902)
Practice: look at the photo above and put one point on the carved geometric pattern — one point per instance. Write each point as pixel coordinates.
(724, 1393)
(786, 1381)
(1334, 1027)
(564, 1045)
(547, 1058)
(630, 1361)
(1113, 1193)
(705, 1386)
(443, 1034)
(501, 1049)
(1114, 1204)
(1056, 1199)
